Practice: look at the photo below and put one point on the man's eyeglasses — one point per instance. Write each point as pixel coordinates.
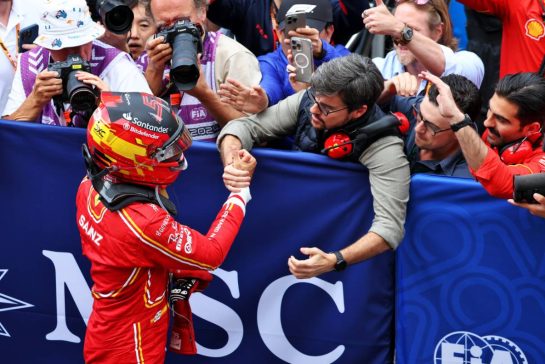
(326, 110)
(434, 129)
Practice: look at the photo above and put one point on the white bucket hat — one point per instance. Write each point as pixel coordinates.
(67, 23)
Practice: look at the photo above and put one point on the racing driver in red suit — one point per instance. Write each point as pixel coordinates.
(134, 150)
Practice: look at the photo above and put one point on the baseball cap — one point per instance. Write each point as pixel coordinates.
(67, 23)
(318, 18)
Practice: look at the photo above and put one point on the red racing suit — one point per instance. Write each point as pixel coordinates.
(132, 251)
(497, 177)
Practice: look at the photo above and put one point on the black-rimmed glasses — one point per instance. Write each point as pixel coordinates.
(324, 109)
(434, 129)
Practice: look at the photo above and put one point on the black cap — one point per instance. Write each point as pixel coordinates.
(318, 18)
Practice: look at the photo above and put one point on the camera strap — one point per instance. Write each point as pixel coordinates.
(12, 60)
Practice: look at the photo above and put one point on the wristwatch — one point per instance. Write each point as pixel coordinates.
(459, 125)
(341, 263)
(406, 35)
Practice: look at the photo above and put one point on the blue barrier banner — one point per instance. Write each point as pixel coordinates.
(253, 311)
(470, 278)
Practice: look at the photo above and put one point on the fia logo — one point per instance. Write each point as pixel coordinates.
(464, 347)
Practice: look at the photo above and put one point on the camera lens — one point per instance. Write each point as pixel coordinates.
(185, 70)
(116, 16)
(81, 95)
(119, 19)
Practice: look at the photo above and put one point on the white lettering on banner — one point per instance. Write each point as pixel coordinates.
(220, 314)
(67, 273)
(270, 324)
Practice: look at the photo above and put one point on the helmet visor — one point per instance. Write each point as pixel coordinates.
(174, 148)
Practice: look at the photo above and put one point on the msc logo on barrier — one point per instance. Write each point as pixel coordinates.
(464, 347)
(8, 303)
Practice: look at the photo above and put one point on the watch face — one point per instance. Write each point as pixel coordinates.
(341, 265)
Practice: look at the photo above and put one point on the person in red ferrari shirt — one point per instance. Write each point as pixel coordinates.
(135, 149)
(512, 142)
(523, 36)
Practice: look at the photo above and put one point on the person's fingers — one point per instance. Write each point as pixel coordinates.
(260, 91)
(50, 89)
(236, 175)
(233, 82)
(539, 198)
(414, 85)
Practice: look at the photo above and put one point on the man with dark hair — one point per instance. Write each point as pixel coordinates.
(341, 100)
(511, 144)
(431, 145)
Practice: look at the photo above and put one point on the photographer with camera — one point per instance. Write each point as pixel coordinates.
(58, 82)
(182, 37)
(512, 142)
(337, 116)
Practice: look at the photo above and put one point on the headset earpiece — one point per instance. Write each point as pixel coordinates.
(514, 153)
(341, 144)
(517, 152)
(338, 145)
(404, 123)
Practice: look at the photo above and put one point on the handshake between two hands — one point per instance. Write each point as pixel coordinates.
(238, 174)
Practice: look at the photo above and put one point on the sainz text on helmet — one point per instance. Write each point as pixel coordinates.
(135, 138)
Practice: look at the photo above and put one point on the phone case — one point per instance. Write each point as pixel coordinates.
(302, 58)
(295, 21)
(27, 35)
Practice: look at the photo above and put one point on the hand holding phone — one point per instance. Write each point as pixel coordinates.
(303, 61)
(294, 21)
(296, 17)
(27, 35)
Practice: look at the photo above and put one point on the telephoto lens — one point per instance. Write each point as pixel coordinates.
(185, 39)
(184, 69)
(116, 16)
(81, 96)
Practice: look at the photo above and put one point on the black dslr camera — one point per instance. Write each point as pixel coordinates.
(526, 185)
(185, 39)
(81, 96)
(116, 15)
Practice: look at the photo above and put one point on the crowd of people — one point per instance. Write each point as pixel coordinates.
(176, 75)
